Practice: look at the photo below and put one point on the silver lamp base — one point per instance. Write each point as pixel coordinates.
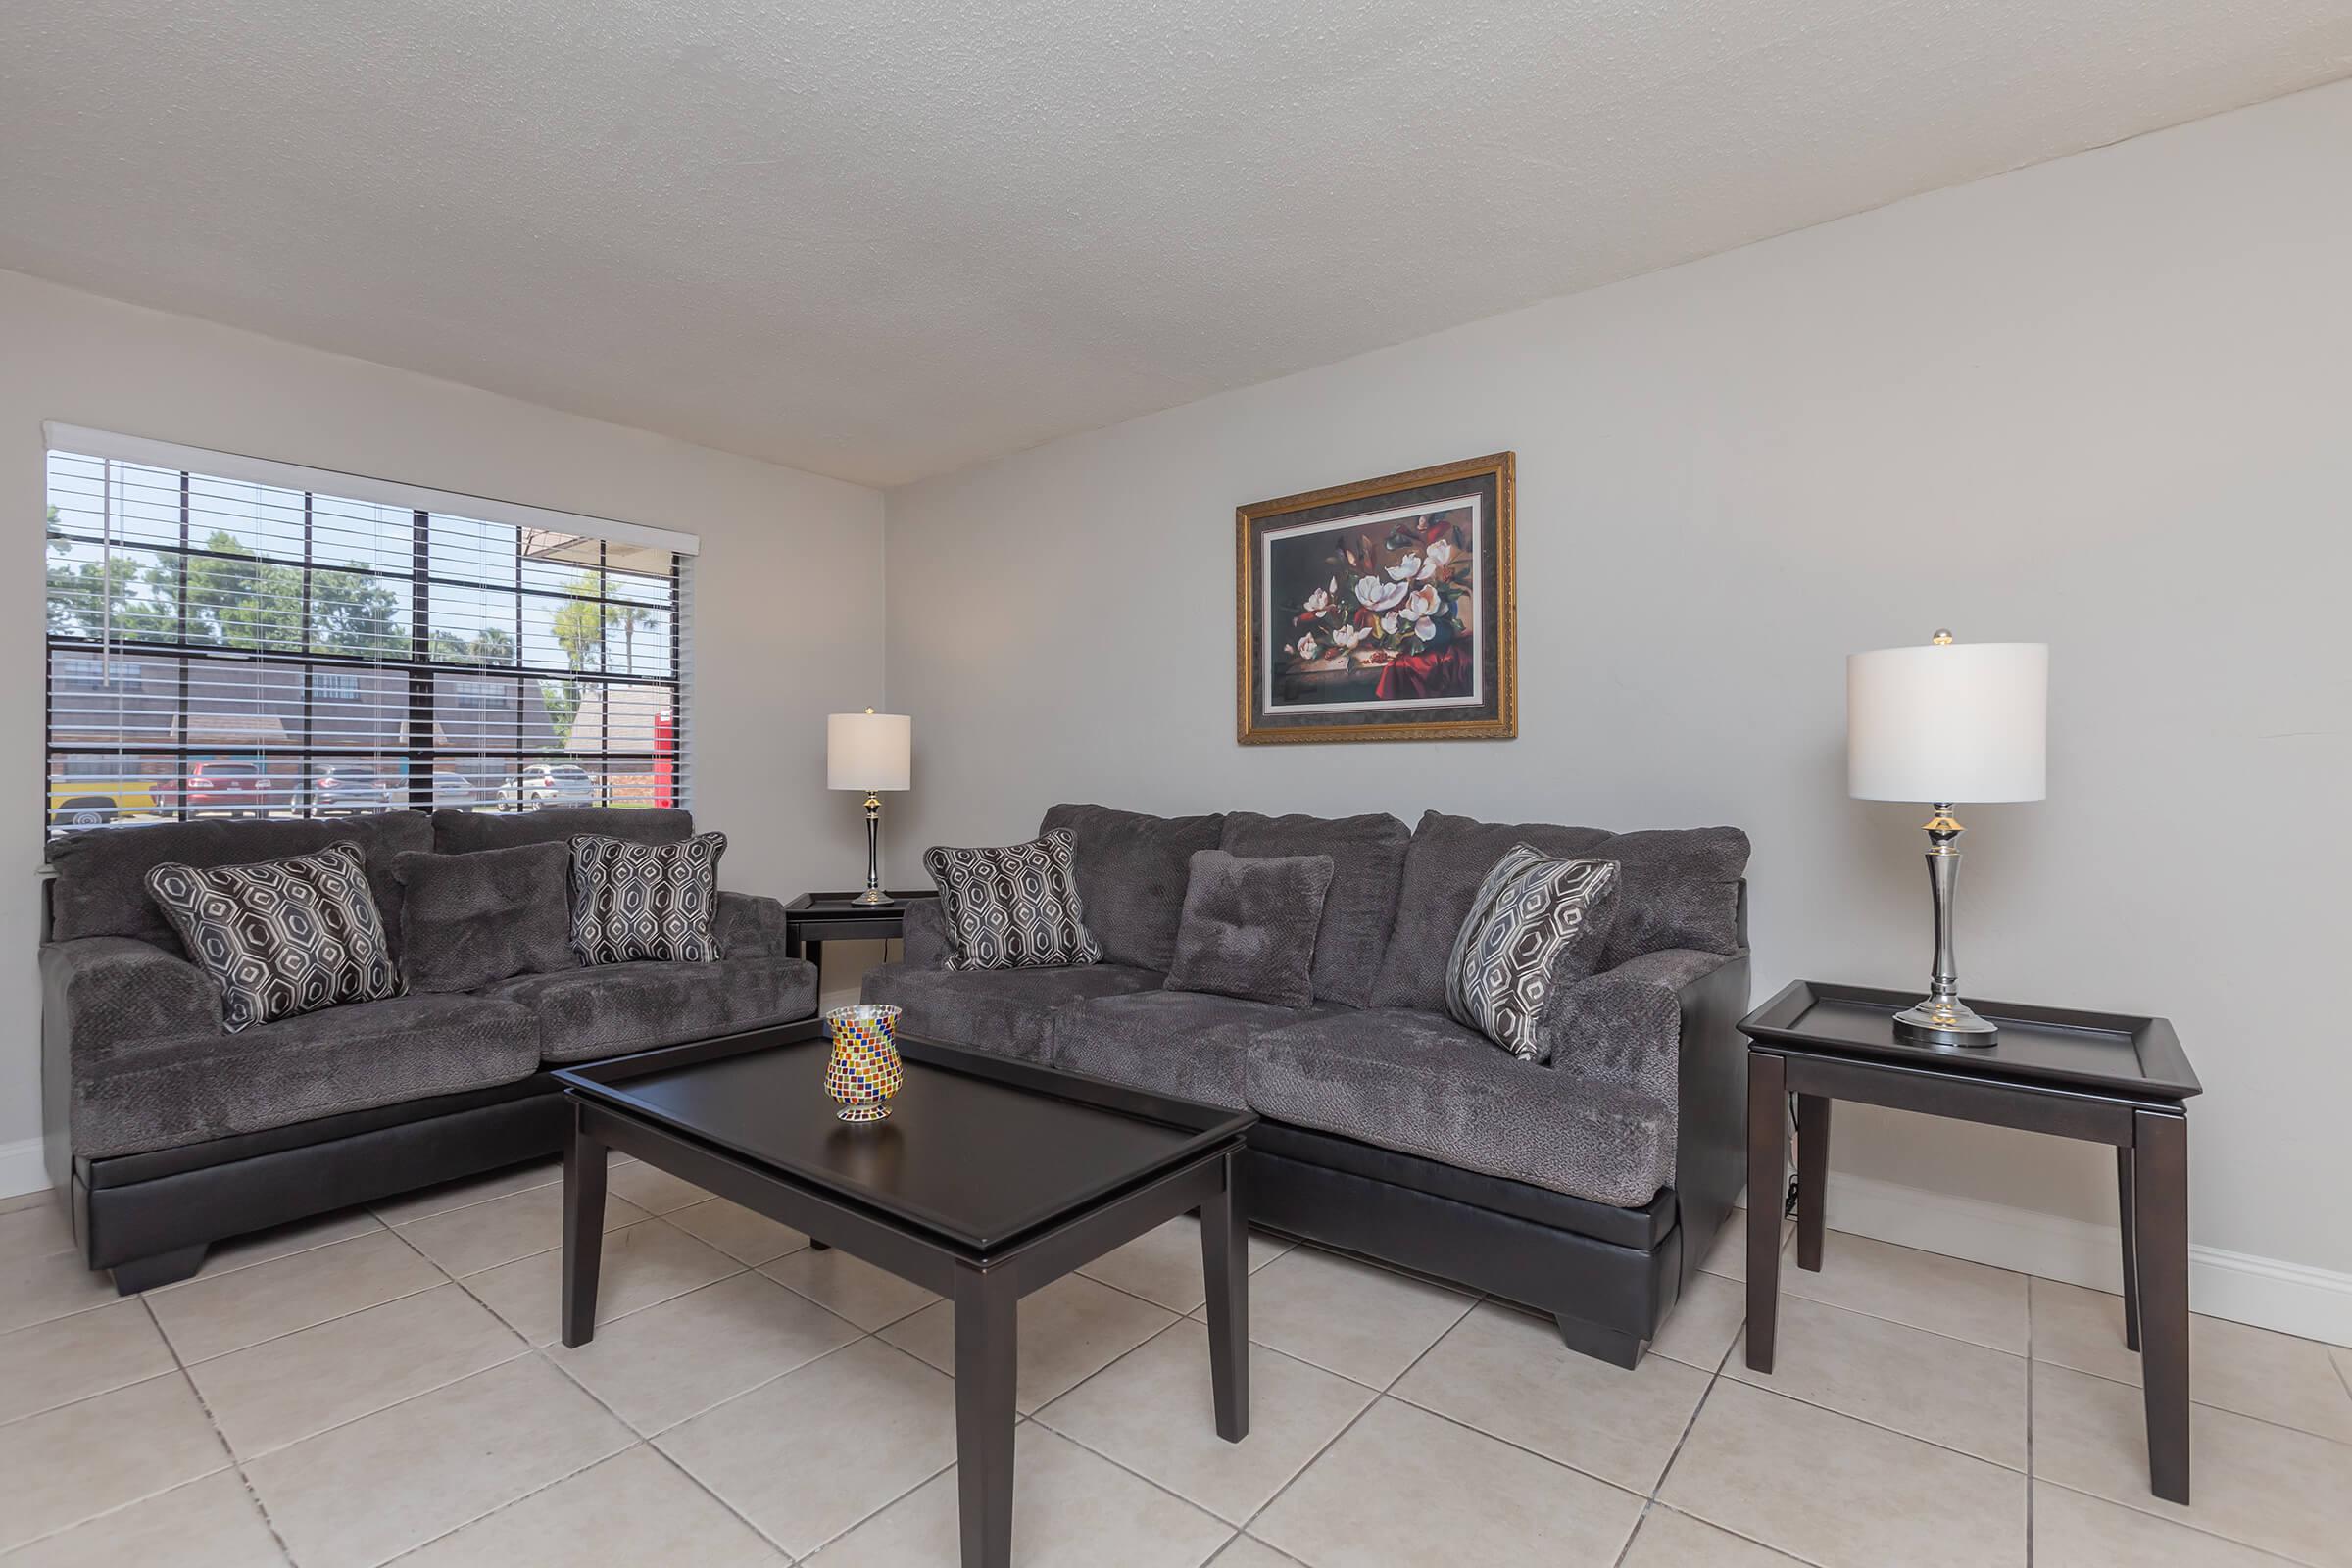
(1943, 1021)
(874, 893)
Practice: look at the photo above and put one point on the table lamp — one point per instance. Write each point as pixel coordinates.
(1945, 724)
(869, 752)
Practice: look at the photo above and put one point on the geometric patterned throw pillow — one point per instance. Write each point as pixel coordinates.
(1535, 928)
(656, 902)
(281, 937)
(1015, 907)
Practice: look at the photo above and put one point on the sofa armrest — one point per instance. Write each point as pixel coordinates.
(750, 925)
(1668, 1023)
(99, 994)
(1624, 1026)
(924, 936)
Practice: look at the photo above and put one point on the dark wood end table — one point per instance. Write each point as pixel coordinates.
(990, 1178)
(2108, 1078)
(815, 918)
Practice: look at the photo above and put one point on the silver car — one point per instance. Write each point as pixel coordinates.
(548, 784)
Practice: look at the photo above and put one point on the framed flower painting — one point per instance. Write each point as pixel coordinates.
(1382, 611)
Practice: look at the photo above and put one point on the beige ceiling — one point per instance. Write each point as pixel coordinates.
(880, 240)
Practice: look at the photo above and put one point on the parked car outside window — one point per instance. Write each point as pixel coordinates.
(548, 784)
(340, 790)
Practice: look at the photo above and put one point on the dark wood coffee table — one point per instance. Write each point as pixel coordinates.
(990, 1178)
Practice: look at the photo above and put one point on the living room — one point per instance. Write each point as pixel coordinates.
(526, 445)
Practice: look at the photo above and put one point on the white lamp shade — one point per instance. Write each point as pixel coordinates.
(868, 750)
(1956, 722)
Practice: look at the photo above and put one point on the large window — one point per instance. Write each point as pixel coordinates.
(284, 642)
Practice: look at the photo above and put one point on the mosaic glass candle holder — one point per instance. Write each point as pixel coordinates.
(864, 1070)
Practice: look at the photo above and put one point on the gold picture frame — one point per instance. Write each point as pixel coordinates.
(1386, 610)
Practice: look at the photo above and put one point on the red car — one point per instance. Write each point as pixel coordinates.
(228, 787)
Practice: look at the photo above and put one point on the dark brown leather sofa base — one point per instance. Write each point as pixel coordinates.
(151, 1217)
(1619, 1292)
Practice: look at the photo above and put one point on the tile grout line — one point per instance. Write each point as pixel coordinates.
(234, 1269)
(115, 1510)
(1650, 1502)
(1353, 1421)
(538, 1353)
(2185, 1522)
(252, 1493)
(2207, 1405)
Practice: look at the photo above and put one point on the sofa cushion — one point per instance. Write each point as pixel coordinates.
(183, 1089)
(1013, 906)
(1425, 1085)
(1181, 1043)
(281, 937)
(649, 902)
(1535, 929)
(1249, 927)
(464, 832)
(101, 885)
(1677, 888)
(612, 1008)
(469, 919)
(1003, 1010)
(1132, 872)
(1367, 864)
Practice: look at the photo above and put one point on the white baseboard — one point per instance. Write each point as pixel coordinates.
(22, 1169)
(2290, 1298)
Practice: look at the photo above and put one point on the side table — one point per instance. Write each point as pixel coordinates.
(815, 918)
(2107, 1078)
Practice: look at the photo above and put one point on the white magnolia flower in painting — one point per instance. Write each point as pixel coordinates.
(1441, 555)
(1318, 601)
(1388, 623)
(1346, 637)
(1426, 629)
(1307, 648)
(1380, 597)
(1407, 570)
(1423, 604)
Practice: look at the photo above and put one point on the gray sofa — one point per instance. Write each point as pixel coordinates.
(168, 1133)
(1588, 1187)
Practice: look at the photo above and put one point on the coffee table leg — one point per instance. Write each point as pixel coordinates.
(2160, 1216)
(1225, 1261)
(987, 1361)
(1767, 1164)
(583, 1231)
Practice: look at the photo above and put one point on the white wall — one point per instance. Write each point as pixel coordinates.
(2105, 402)
(770, 658)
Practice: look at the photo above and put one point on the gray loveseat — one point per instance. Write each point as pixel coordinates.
(168, 1133)
(1587, 1188)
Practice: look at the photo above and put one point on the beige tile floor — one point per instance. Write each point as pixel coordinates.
(382, 1386)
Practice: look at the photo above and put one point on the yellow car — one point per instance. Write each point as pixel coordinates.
(95, 801)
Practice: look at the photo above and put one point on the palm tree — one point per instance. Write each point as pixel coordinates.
(628, 618)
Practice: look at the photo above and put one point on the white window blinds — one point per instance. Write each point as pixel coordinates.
(230, 636)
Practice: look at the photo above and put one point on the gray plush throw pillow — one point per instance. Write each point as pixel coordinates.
(1249, 927)
(466, 920)
(1013, 908)
(280, 937)
(645, 902)
(1535, 928)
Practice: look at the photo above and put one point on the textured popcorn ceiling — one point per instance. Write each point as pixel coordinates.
(883, 239)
